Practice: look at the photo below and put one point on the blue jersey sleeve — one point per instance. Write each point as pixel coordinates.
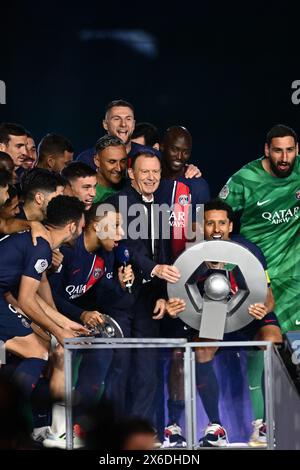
(37, 258)
(255, 250)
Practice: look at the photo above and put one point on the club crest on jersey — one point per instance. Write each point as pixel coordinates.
(183, 200)
(25, 323)
(41, 265)
(297, 194)
(97, 273)
(224, 192)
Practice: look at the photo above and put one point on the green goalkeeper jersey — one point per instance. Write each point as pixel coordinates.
(270, 218)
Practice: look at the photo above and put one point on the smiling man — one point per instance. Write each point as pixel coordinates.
(267, 191)
(218, 225)
(111, 163)
(119, 121)
(176, 149)
(82, 180)
(149, 256)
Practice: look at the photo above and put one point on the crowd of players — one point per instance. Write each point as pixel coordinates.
(62, 263)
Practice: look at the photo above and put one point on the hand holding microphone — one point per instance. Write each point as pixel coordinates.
(125, 272)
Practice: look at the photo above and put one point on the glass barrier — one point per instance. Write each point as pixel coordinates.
(195, 395)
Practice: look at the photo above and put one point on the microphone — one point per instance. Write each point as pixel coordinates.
(122, 255)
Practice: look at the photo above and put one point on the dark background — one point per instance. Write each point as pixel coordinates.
(223, 72)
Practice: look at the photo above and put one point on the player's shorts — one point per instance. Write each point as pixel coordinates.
(12, 323)
(249, 332)
(176, 328)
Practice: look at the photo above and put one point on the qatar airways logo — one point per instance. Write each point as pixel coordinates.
(177, 219)
(282, 216)
(75, 291)
(2, 92)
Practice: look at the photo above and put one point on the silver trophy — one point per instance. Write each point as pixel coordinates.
(109, 329)
(216, 310)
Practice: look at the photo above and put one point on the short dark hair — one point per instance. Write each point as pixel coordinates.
(6, 162)
(9, 128)
(148, 131)
(119, 102)
(147, 152)
(61, 180)
(62, 210)
(280, 130)
(53, 144)
(12, 193)
(108, 141)
(77, 170)
(5, 178)
(38, 179)
(218, 205)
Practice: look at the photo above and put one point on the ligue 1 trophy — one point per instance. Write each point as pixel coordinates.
(109, 329)
(213, 309)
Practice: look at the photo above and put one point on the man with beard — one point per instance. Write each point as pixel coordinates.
(55, 152)
(267, 191)
(39, 186)
(111, 164)
(218, 225)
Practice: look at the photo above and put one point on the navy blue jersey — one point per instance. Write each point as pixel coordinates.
(20, 258)
(182, 195)
(80, 273)
(251, 247)
(87, 157)
(172, 192)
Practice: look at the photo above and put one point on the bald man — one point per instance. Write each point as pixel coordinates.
(182, 192)
(176, 149)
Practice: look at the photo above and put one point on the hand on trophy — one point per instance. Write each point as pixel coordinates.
(257, 311)
(167, 272)
(91, 318)
(175, 306)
